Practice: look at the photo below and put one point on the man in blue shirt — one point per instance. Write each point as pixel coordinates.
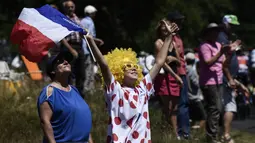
(230, 107)
(88, 23)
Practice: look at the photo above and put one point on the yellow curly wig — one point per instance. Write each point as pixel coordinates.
(117, 58)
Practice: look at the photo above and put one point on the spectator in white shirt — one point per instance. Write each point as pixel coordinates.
(88, 23)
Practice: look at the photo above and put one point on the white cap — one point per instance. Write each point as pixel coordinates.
(90, 9)
(190, 56)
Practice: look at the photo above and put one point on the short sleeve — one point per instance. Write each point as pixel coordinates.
(84, 23)
(147, 85)
(222, 39)
(205, 52)
(89, 25)
(43, 97)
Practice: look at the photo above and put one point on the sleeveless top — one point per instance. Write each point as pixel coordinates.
(71, 120)
(173, 65)
(165, 84)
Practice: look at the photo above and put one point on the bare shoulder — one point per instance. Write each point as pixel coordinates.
(49, 90)
(158, 43)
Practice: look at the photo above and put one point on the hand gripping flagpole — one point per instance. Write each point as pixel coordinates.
(94, 59)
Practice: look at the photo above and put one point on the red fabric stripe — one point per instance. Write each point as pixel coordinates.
(32, 43)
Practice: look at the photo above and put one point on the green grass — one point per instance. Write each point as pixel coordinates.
(19, 121)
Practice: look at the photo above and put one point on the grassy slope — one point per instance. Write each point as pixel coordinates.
(19, 121)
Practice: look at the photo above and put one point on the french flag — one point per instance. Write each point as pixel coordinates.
(38, 29)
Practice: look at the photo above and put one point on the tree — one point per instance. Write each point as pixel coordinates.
(132, 23)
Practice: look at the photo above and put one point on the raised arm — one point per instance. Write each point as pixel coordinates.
(227, 62)
(107, 75)
(224, 49)
(213, 59)
(162, 54)
(169, 59)
(70, 48)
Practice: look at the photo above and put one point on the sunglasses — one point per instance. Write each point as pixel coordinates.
(60, 61)
(130, 66)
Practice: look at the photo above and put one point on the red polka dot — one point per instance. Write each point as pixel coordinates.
(145, 99)
(109, 139)
(112, 86)
(145, 115)
(129, 141)
(135, 134)
(115, 137)
(121, 103)
(144, 81)
(149, 141)
(138, 86)
(149, 86)
(148, 125)
(130, 121)
(113, 96)
(132, 105)
(117, 120)
(135, 98)
(136, 91)
(115, 81)
(142, 141)
(110, 121)
(126, 95)
(145, 134)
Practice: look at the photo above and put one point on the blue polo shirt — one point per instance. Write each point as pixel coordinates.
(71, 120)
(233, 67)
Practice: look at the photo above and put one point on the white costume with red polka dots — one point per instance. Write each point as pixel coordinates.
(128, 110)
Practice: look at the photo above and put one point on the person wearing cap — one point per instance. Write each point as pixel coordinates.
(213, 59)
(183, 106)
(197, 111)
(226, 37)
(88, 23)
(64, 115)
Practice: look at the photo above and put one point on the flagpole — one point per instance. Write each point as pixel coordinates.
(94, 59)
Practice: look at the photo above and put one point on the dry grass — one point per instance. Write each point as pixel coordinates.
(19, 121)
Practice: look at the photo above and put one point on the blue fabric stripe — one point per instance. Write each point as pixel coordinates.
(57, 17)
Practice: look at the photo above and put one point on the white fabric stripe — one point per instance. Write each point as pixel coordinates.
(50, 29)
